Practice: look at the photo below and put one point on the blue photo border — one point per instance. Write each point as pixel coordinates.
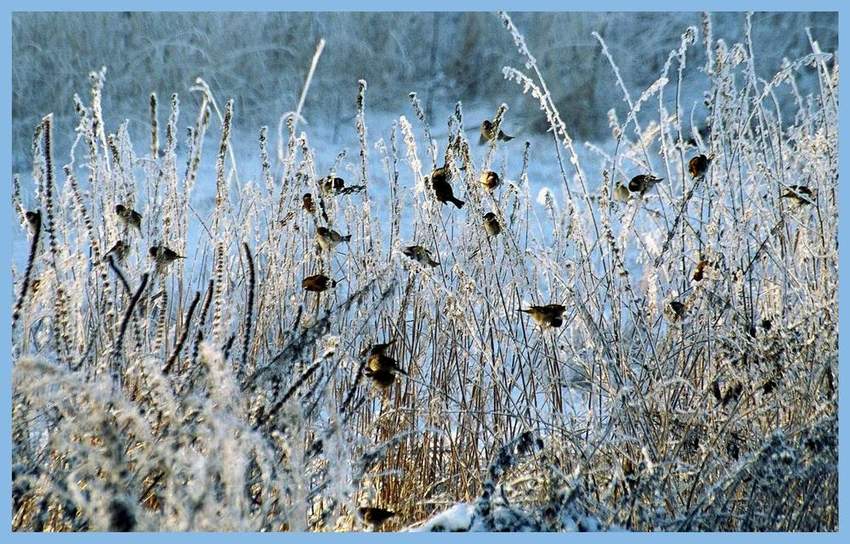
(7, 224)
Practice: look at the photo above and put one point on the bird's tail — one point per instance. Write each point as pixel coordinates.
(525, 310)
(505, 138)
(482, 140)
(346, 238)
(458, 203)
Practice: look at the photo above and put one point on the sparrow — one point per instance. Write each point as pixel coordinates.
(488, 133)
(374, 516)
(420, 255)
(698, 166)
(129, 216)
(163, 255)
(120, 250)
(643, 183)
(377, 349)
(442, 188)
(677, 309)
(34, 219)
(800, 194)
(699, 273)
(329, 238)
(621, 193)
(317, 283)
(491, 224)
(336, 185)
(308, 204)
(550, 315)
(378, 362)
(332, 184)
(490, 180)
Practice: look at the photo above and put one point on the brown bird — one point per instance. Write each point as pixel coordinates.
(329, 238)
(800, 194)
(336, 185)
(120, 250)
(442, 188)
(550, 315)
(374, 516)
(677, 309)
(643, 183)
(420, 255)
(488, 133)
(34, 219)
(129, 216)
(491, 224)
(699, 273)
(490, 180)
(698, 166)
(332, 184)
(308, 204)
(163, 255)
(317, 283)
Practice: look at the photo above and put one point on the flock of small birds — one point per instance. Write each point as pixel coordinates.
(161, 255)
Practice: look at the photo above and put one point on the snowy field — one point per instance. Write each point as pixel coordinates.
(685, 381)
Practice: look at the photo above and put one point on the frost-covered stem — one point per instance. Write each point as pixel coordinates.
(154, 128)
(178, 345)
(249, 310)
(25, 284)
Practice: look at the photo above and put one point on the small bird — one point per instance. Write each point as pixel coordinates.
(336, 185)
(308, 204)
(163, 255)
(332, 184)
(382, 378)
(643, 183)
(120, 250)
(488, 133)
(329, 238)
(699, 273)
(375, 516)
(698, 166)
(377, 349)
(317, 283)
(420, 255)
(34, 219)
(129, 216)
(800, 194)
(442, 188)
(621, 193)
(378, 362)
(491, 224)
(490, 180)
(677, 308)
(550, 315)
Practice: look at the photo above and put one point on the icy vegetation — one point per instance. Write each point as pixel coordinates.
(449, 326)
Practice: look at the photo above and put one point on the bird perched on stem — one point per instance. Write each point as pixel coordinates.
(420, 255)
(490, 180)
(120, 250)
(329, 238)
(800, 194)
(549, 315)
(698, 166)
(442, 188)
(336, 185)
(317, 283)
(491, 224)
(382, 369)
(163, 255)
(129, 216)
(488, 133)
(374, 516)
(643, 183)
